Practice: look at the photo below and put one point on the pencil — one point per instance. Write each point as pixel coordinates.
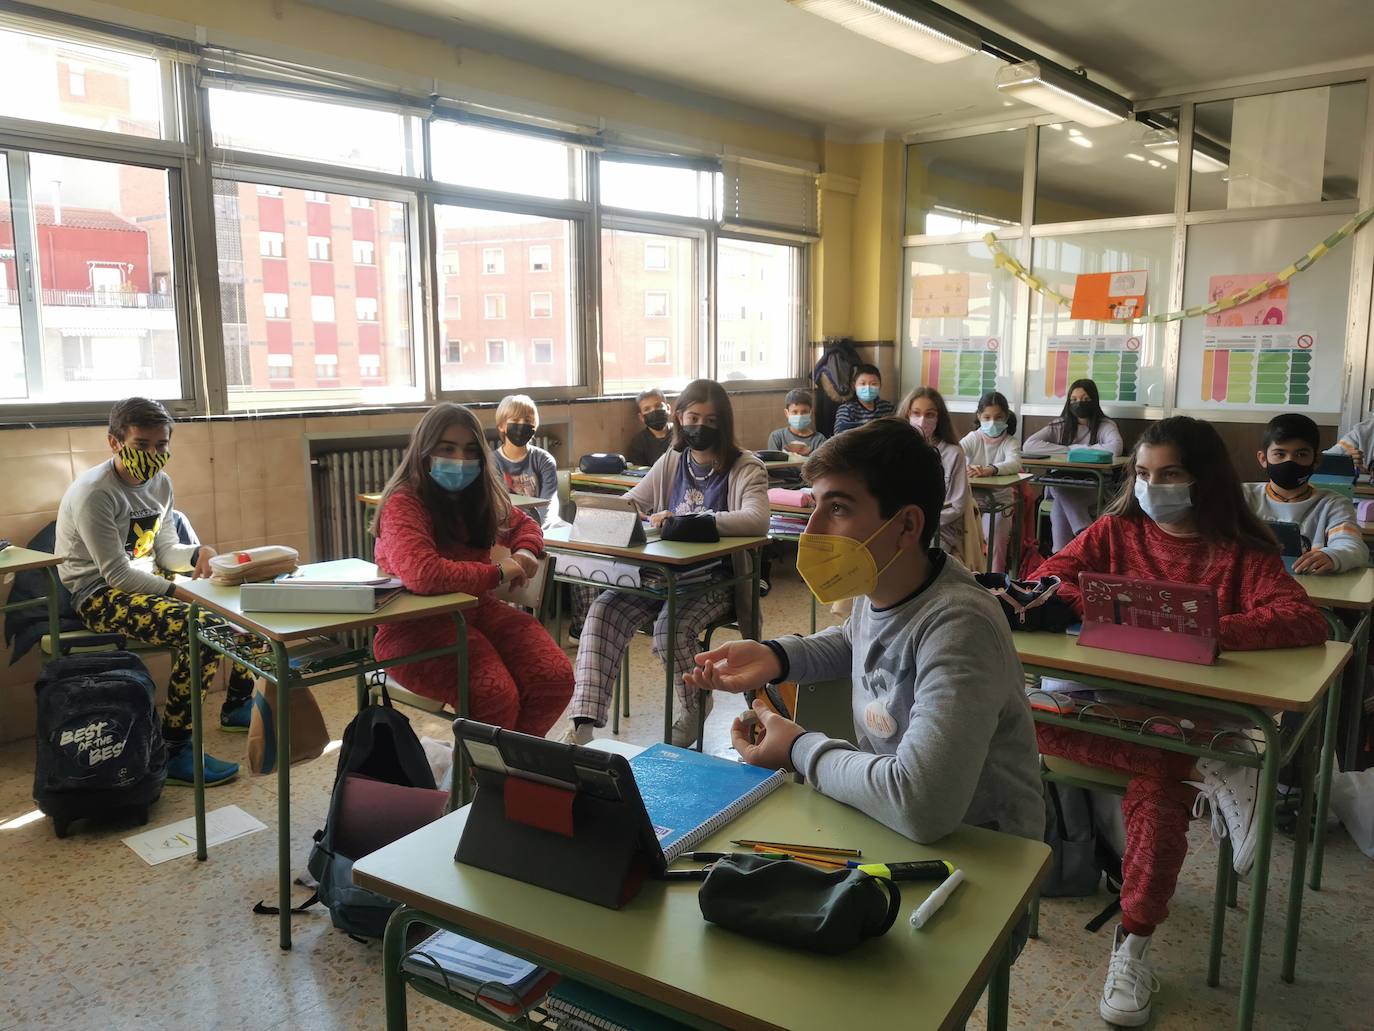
(821, 861)
(826, 850)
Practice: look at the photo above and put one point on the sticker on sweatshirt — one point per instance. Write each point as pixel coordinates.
(878, 720)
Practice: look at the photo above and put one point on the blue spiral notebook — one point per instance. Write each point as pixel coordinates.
(690, 795)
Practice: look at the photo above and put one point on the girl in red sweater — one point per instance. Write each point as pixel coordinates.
(1181, 516)
(441, 512)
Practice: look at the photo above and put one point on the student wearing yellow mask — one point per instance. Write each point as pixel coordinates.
(943, 727)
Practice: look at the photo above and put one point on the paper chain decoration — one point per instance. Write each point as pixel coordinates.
(1001, 259)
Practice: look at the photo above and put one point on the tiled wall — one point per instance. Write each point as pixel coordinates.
(244, 482)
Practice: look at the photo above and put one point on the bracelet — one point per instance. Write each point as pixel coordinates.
(500, 572)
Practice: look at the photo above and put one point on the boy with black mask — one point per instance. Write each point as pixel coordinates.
(649, 444)
(527, 469)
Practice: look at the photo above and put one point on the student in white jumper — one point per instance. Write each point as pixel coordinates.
(925, 409)
(993, 450)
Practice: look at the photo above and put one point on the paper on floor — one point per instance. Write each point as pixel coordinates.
(179, 839)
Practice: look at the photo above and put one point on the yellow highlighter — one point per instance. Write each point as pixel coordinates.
(921, 870)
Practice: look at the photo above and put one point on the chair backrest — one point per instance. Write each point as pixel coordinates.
(827, 706)
(567, 507)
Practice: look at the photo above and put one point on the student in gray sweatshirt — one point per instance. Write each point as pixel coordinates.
(940, 714)
(1327, 519)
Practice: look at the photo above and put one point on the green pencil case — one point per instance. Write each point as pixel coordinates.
(1090, 455)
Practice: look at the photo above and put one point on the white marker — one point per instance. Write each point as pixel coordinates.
(920, 916)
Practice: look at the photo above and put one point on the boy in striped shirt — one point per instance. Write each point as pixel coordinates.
(868, 383)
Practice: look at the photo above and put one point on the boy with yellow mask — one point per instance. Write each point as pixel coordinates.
(940, 714)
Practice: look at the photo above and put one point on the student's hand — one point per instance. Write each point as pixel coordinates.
(981, 470)
(736, 666)
(658, 517)
(515, 573)
(529, 565)
(797, 449)
(1314, 561)
(1355, 453)
(202, 569)
(775, 736)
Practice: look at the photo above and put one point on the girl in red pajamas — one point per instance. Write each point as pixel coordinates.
(1181, 517)
(441, 512)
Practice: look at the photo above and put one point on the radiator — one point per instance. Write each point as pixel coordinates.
(341, 520)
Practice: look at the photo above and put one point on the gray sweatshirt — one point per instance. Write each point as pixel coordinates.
(1327, 520)
(111, 533)
(940, 711)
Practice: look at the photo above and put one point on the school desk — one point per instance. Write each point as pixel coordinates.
(603, 483)
(658, 952)
(1249, 686)
(668, 559)
(260, 641)
(373, 498)
(20, 560)
(1046, 472)
(988, 486)
(775, 508)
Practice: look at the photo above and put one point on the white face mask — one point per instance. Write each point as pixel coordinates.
(1166, 503)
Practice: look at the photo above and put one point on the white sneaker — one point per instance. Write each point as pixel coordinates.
(685, 726)
(1231, 792)
(577, 733)
(1130, 982)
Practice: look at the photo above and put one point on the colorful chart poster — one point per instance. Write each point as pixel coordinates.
(1109, 295)
(1254, 367)
(940, 296)
(960, 366)
(1112, 362)
(1269, 309)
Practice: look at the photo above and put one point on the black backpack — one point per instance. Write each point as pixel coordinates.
(99, 742)
(1080, 854)
(833, 376)
(379, 744)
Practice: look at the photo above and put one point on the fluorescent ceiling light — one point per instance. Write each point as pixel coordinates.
(1082, 141)
(1061, 94)
(1164, 143)
(905, 27)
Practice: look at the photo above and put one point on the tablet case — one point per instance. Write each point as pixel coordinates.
(1158, 618)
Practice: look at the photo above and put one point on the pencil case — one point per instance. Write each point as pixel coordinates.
(786, 496)
(601, 462)
(1090, 455)
(1364, 511)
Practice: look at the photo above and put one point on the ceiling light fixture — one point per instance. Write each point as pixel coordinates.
(907, 27)
(1081, 141)
(1062, 93)
(1207, 156)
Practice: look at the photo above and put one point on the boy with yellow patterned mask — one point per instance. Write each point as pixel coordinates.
(942, 726)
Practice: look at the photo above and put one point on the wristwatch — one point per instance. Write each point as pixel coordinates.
(501, 572)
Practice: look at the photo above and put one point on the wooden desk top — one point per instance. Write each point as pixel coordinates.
(518, 500)
(790, 460)
(1350, 590)
(668, 553)
(18, 560)
(997, 482)
(1062, 462)
(1290, 679)
(292, 626)
(621, 481)
(781, 509)
(659, 946)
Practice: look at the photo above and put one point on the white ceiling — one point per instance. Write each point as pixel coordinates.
(770, 56)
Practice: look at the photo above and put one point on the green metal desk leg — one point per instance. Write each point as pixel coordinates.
(1035, 917)
(1232, 884)
(197, 730)
(1264, 838)
(1219, 913)
(458, 791)
(393, 984)
(281, 668)
(1323, 779)
(999, 990)
(54, 618)
(668, 656)
(1354, 691)
(1294, 921)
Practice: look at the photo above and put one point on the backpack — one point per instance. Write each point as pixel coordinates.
(1080, 854)
(378, 746)
(98, 739)
(834, 379)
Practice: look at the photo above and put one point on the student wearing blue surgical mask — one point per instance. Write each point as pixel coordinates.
(442, 512)
(991, 449)
(800, 435)
(867, 404)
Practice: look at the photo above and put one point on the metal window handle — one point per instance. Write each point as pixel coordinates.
(28, 277)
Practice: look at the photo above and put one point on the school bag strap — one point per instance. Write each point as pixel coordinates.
(1029, 604)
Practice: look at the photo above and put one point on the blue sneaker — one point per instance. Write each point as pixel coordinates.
(180, 770)
(235, 720)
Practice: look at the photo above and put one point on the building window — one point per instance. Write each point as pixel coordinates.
(543, 351)
(655, 256)
(496, 352)
(366, 308)
(541, 257)
(541, 305)
(268, 190)
(493, 306)
(326, 366)
(321, 309)
(655, 304)
(271, 245)
(76, 81)
(317, 196)
(360, 202)
(656, 350)
(451, 263)
(318, 248)
(363, 252)
(274, 306)
(279, 366)
(453, 307)
(493, 261)
(453, 352)
(369, 366)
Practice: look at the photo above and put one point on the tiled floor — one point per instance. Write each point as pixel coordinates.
(94, 938)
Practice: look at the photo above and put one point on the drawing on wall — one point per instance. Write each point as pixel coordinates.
(1269, 309)
(1109, 295)
(940, 296)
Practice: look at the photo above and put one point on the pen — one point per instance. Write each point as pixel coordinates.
(705, 857)
(687, 875)
(921, 915)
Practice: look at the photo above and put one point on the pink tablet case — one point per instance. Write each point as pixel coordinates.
(1159, 618)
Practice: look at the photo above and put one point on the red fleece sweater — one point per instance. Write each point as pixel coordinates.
(1261, 606)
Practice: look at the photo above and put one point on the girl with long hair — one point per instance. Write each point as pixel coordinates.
(1082, 422)
(925, 409)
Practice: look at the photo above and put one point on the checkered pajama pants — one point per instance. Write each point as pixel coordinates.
(612, 621)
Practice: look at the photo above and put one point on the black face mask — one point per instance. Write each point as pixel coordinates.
(701, 437)
(1083, 409)
(519, 433)
(1289, 475)
(656, 419)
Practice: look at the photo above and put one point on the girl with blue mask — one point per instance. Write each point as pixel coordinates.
(445, 524)
(991, 449)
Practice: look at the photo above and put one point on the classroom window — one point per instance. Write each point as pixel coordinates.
(317, 247)
(363, 252)
(666, 189)
(512, 162)
(541, 257)
(970, 184)
(326, 366)
(275, 306)
(542, 348)
(496, 352)
(330, 133)
(656, 350)
(655, 304)
(380, 293)
(271, 245)
(493, 261)
(656, 256)
(1109, 172)
(81, 85)
(101, 320)
(524, 238)
(1296, 147)
(625, 324)
(766, 293)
